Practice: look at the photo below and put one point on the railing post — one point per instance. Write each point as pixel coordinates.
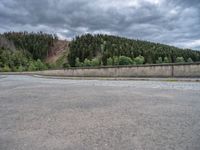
(172, 70)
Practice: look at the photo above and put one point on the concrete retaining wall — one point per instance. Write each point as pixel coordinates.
(165, 70)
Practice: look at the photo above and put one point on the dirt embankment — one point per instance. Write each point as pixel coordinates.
(58, 50)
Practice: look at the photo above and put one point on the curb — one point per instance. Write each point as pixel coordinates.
(120, 79)
(2, 76)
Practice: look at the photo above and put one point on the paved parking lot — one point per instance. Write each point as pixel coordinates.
(58, 114)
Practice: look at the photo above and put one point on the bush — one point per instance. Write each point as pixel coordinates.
(66, 65)
(77, 63)
(109, 61)
(149, 60)
(180, 60)
(39, 65)
(95, 62)
(14, 69)
(21, 68)
(166, 60)
(115, 60)
(6, 68)
(159, 61)
(139, 60)
(123, 60)
(87, 63)
(190, 60)
(32, 66)
(51, 65)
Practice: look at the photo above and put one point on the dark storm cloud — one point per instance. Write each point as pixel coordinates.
(175, 22)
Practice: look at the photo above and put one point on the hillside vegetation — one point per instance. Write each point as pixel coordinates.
(94, 50)
(37, 44)
(23, 51)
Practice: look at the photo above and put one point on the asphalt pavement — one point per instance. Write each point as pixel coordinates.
(63, 114)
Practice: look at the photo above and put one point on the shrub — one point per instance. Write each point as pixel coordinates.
(189, 60)
(51, 65)
(159, 61)
(6, 68)
(95, 62)
(139, 60)
(32, 66)
(115, 60)
(77, 63)
(149, 60)
(13, 68)
(109, 61)
(87, 63)
(39, 65)
(21, 68)
(123, 60)
(66, 65)
(180, 60)
(166, 60)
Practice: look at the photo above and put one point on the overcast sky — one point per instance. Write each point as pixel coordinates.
(174, 22)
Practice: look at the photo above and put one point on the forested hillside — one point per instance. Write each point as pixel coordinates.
(23, 51)
(93, 50)
(37, 44)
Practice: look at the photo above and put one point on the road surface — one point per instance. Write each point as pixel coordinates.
(58, 114)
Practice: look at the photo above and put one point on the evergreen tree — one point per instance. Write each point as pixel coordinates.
(92, 46)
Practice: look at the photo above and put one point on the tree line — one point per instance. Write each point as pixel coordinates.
(103, 48)
(37, 44)
(23, 51)
(18, 61)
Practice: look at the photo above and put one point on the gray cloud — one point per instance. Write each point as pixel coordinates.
(174, 22)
